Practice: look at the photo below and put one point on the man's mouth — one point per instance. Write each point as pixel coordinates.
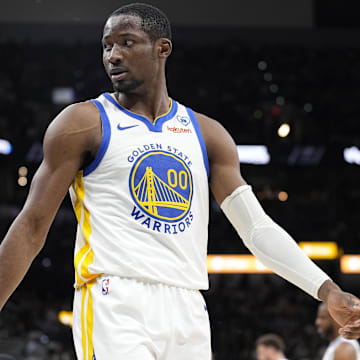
(117, 74)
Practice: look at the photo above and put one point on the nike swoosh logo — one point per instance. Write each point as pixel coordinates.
(125, 127)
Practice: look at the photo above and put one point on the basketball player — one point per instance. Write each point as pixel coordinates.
(339, 348)
(138, 164)
(270, 347)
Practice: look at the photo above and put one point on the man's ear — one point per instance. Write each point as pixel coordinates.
(164, 47)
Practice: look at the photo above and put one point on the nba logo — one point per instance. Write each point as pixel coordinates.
(105, 286)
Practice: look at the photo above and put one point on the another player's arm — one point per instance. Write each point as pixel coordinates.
(69, 139)
(265, 239)
(345, 351)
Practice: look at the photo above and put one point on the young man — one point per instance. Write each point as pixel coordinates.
(270, 347)
(138, 166)
(339, 348)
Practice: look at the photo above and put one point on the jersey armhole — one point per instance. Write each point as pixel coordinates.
(201, 139)
(105, 139)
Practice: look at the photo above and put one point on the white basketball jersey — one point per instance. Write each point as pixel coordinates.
(142, 205)
(330, 351)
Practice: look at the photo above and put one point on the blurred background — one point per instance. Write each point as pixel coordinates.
(282, 75)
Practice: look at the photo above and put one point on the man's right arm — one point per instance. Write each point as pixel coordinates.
(73, 135)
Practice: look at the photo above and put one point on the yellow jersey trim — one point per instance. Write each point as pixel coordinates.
(87, 321)
(85, 256)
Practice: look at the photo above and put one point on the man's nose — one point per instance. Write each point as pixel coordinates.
(115, 54)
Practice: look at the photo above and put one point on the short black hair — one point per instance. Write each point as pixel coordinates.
(271, 340)
(153, 21)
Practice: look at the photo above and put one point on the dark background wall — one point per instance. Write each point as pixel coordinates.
(295, 13)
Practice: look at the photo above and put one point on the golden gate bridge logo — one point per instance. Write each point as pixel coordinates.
(161, 185)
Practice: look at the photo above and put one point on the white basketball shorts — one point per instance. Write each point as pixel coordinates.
(125, 319)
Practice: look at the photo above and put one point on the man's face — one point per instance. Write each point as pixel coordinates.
(323, 322)
(264, 352)
(128, 53)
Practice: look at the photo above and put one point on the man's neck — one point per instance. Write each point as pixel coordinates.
(150, 105)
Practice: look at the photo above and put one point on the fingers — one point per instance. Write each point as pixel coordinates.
(351, 331)
(350, 335)
(352, 324)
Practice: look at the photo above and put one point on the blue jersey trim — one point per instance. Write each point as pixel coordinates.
(201, 139)
(157, 127)
(105, 139)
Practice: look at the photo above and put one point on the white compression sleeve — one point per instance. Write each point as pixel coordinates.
(271, 244)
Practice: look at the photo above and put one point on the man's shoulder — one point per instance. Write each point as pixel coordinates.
(76, 115)
(78, 122)
(345, 350)
(207, 124)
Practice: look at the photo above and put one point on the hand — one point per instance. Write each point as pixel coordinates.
(343, 307)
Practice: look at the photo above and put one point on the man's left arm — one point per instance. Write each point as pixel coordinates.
(272, 245)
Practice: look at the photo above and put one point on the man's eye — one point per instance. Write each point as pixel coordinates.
(107, 46)
(129, 42)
